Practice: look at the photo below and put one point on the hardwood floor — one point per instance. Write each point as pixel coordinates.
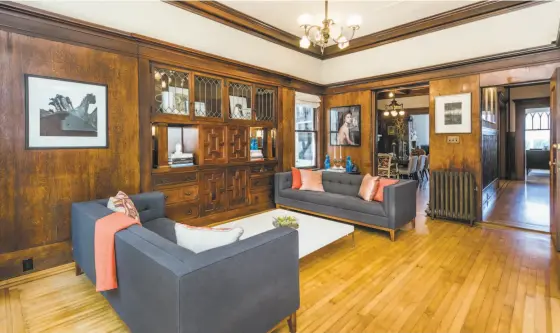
(523, 204)
(440, 277)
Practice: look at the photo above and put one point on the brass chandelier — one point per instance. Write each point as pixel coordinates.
(321, 35)
(394, 108)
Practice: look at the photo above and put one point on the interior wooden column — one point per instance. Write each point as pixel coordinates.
(286, 129)
(467, 155)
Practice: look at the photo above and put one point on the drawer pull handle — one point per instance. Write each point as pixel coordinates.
(189, 212)
(188, 193)
(166, 197)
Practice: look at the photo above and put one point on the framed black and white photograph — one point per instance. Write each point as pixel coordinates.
(64, 114)
(453, 113)
(345, 126)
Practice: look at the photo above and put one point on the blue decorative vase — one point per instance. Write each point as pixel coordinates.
(348, 164)
(254, 144)
(327, 162)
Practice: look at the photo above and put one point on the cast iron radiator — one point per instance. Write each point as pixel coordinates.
(452, 196)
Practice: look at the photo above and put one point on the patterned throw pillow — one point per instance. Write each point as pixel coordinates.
(121, 203)
(368, 187)
(199, 239)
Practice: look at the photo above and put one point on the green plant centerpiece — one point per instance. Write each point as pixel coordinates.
(285, 221)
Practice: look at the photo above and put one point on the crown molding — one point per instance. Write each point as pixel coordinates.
(476, 11)
(221, 13)
(466, 14)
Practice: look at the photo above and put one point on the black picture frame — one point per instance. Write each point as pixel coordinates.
(27, 97)
(336, 117)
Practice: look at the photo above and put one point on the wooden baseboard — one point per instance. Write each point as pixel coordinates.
(13, 282)
(44, 257)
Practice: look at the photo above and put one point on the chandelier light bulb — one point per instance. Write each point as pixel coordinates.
(391, 94)
(343, 43)
(394, 113)
(401, 113)
(304, 42)
(386, 113)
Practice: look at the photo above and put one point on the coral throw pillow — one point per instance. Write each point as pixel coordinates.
(296, 178)
(382, 183)
(311, 181)
(368, 187)
(202, 239)
(122, 203)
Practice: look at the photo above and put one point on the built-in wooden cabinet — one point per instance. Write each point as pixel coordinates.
(212, 148)
(214, 118)
(237, 187)
(238, 140)
(213, 192)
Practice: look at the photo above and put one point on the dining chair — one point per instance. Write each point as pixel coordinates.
(384, 165)
(411, 169)
(427, 167)
(421, 165)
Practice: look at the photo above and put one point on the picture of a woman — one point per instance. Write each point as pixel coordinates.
(345, 126)
(343, 137)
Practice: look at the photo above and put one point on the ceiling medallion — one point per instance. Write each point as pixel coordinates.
(320, 35)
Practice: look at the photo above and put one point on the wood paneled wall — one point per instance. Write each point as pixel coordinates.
(465, 156)
(286, 128)
(363, 155)
(37, 187)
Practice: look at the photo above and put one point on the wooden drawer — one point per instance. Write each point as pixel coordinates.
(262, 182)
(174, 178)
(182, 211)
(180, 194)
(261, 197)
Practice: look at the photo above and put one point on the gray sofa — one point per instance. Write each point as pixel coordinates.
(340, 201)
(248, 286)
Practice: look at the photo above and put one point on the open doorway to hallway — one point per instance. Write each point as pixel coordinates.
(518, 193)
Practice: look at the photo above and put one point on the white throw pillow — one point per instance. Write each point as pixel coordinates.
(201, 239)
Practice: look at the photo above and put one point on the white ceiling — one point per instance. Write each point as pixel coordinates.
(375, 15)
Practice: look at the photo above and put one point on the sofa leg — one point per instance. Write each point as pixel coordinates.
(78, 270)
(413, 223)
(292, 323)
(392, 235)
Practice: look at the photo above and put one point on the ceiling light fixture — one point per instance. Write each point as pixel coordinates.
(321, 35)
(394, 108)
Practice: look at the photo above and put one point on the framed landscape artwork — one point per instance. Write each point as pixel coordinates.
(64, 114)
(345, 126)
(453, 113)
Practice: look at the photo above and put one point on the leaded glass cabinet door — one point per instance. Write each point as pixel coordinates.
(265, 104)
(208, 98)
(240, 101)
(171, 91)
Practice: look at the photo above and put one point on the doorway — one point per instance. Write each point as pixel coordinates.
(520, 193)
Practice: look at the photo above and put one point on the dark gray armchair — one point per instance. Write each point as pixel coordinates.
(248, 286)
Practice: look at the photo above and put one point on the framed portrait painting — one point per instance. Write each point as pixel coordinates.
(64, 114)
(345, 125)
(453, 113)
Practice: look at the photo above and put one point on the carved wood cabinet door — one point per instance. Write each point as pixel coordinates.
(212, 144)
(237, 186)
(238, 143)
(213, 198)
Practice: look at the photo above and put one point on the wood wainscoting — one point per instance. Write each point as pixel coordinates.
(37, 187)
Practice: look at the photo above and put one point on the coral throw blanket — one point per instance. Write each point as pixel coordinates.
(105, 265)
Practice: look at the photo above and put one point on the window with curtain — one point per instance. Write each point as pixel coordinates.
(306, 130)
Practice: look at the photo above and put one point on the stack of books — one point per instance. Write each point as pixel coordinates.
(256, 155)
(181, 160)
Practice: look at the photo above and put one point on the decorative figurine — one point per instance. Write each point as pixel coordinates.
(327, 162)
(348, 164)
